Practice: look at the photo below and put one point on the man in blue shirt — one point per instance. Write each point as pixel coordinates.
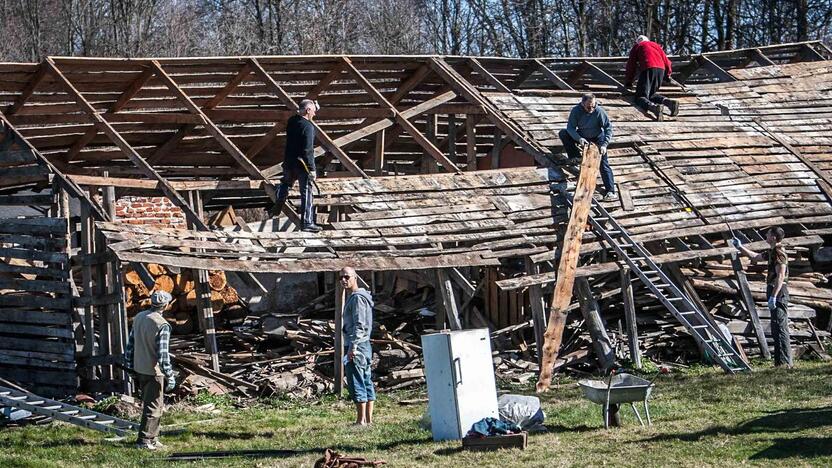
(358, 324)
(588, 123)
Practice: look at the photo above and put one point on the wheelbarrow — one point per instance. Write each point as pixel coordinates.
(621, 387)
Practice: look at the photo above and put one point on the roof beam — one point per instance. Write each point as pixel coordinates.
(426, 144)
(757, 55)
(242, 75)
(321, 135)
(525, 74)
(326, 81)
(125, 147)
(718, 71)
(27, 91)
(489, 78)
(807, 52)
(605, 77)
(552, 76)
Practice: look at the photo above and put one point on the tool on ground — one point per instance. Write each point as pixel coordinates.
(621, 387)
(65, 412)
(704, 331)
(333, 459)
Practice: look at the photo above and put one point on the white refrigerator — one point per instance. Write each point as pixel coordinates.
(460, 378)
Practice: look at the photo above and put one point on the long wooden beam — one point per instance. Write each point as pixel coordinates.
(27, 91)
(562, 295)
(424, 142)
(551, 76)
(487, 76)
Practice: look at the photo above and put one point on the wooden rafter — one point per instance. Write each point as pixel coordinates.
(325, 81)
(320, 134)
(552, 76)
(525, 73)
(27, 91)
(234, 83)
(718, 71)
(757, 55)
(604, 77)
(425, 143)
(487, 76)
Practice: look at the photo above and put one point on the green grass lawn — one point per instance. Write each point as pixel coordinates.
(701, 418)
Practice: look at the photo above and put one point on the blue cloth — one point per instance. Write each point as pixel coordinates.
(295, 173)
(358, 318)
(487, 427)
(359, 374)
(593, 126)
(570, 145)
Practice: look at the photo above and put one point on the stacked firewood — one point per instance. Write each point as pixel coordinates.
(181, 312)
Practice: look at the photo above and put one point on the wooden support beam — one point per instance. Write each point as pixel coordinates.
(464, 285)
(538, 307)
(378, 153)
(471, 143)
(747, 303)
(601, 343)
(333, 74)
(630, 316)
(451, 137)
(756, 55)
(447, 298)
(322, 136)
(339, 339)
(605, 77)
(807, 52)
(28, 90)
(718, 71)
(525, 74)
(551, 76)
(242, 75)
(167, 147)
(562, 294)
(205, 310)
(420, 139)
(487, 76)
(577, 73)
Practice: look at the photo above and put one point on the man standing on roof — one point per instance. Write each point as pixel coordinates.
(777, 291)
(147, 355)
(588, 123)
(653, 68)
(299, 163)
(358, 324)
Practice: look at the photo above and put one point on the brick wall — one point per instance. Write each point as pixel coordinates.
(153, 211)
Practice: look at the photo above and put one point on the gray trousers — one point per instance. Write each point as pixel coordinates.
(780, 333)
(153, 398)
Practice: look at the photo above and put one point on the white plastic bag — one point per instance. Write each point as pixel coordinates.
(525, 411)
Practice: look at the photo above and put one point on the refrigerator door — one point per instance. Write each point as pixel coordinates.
(443, 406)
(472, 371)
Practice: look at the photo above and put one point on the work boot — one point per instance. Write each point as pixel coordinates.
(145, 445)
(610, 196)
(311, 228)
(657, 110)
(672, 106)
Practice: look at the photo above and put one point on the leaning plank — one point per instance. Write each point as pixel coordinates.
(562, 295)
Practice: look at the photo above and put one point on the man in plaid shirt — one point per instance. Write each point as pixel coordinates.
(148, 356)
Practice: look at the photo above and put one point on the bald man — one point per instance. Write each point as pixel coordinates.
(358, 324)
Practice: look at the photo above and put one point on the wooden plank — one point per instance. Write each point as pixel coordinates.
(538, 307)
(747, 302)
(35, 317)
(448, 299)
(487, 76)
(562, 294)
(340, 296)
(630, 316)
(601, 343)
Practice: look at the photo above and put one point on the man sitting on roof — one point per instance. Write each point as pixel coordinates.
(588, 122)
(299, 163)
(654, 67)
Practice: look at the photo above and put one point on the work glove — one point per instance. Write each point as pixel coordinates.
(171, 384)
(736, 242)
(772, 303)
(603, 150)
(583, 142)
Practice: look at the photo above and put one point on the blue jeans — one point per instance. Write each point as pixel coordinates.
(572, 150)
(359, 370)
(292, 173)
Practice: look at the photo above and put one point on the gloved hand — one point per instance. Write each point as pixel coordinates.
(736, 242)
(171, 384)
(603, 150)
(583, 142)
(313, 175)
(772, 303)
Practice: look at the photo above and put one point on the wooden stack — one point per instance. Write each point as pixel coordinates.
(181, 312)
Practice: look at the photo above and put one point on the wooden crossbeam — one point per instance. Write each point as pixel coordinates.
(321, 135)
(718, 71)
(234, 83)
(757, 55)
(604, 77)
(562, 295)
(27, 91)
(551, 76)
(125, 147)
(212, 128)
(525, 74)
(408, 127)
(807, 52)
(168, 146)
(577, 73)
(489, 78)
(326, 81)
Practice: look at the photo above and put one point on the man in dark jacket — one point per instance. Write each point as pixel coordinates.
(589, 123)
(653, 68)
(358, 324)
(299, 163)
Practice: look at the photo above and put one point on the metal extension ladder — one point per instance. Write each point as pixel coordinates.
(65, 412)
(686, 312)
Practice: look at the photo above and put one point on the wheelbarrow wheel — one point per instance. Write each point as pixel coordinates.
(615, 415)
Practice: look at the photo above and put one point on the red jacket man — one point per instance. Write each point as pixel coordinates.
(649, 60)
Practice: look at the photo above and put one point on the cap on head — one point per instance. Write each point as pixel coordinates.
(160, 299)
(641, 39)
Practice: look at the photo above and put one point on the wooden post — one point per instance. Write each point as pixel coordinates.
(630, 316)
(595, 324)
(747, 301)
(86, 281)
(118, 311)
(452, 137)
(471, 143)
(568, 264)
(538, 310)
(339, 338)
(429, 164)
(498, 147)
(205, 311)
(379, 153)
(448, 299)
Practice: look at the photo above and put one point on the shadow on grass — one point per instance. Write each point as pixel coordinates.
(782, 421)
(807, 447)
